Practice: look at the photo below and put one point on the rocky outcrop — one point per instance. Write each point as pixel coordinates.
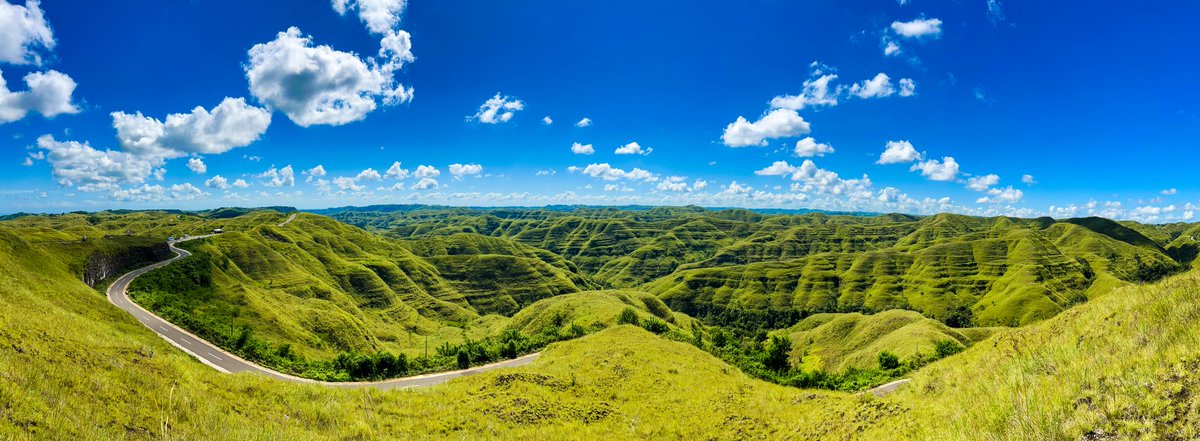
(102, 265)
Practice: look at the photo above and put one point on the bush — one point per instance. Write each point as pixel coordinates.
(946, 348)
(628, 317)
(656, 326)
(888, 360)
(464, 359)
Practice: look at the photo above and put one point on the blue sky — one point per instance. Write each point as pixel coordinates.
(984, 107)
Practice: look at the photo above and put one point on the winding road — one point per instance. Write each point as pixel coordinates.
(226, 362)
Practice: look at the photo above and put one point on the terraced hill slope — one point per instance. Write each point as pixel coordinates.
(742, 267)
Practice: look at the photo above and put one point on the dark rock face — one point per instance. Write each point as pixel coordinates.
(102, 265)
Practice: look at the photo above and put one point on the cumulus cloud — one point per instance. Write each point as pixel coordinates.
(898, 152)
(158, 193)
(217, 182)
(546, 120)
(317, 85)
(24, 32)
(586, 122)
(890, 47)
(47, 93)
(427, 171)
(347, 184)
(368, 175)
(778, 123)
(229, 125)
(809, 147)
(460, 170)
(197, 166)
(1028, 180)
(633, 148)
(918, 28)
(878, 87)
(944, 170)
(75, 164)
(982, 183)
(241, 183)
(817, 92)
(609, 173)
(396, 172)
(1007, 195)
(425, 184)
(546, 172)
(908, 87)
(1169, 192)
(380, 16)
(498, 109)
(582, 149)
(315, 172)
(282, 177)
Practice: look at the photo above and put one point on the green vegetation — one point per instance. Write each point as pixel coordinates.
(1123, 365)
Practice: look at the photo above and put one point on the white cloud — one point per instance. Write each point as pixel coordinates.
(498, 109)
(48, 93)
(546, 120)
(778, 123)
(610, 173)
(75, 164)
(995, 13)
(395, 172)
(283, 177)
(890, 48)
(316, 85)
(229, 125)
(777, 168)
(982, 183)
(158, 193)
(699, 184)
(347, 184)
(546, 172)
(1169, 192)
(898, 152)
(241, 183)
(809, 147)
(23, 32)
(197, 166)
(460, 170)
(908, 87)
(368, 175)
(582, 149)
(315, 172)
(427, 171)
(918, 28)
(633, 148)
(944, 170)
(1028, 180)
(816, 93)
(218, 182)
(380, 16)
(425, 184)
(584, 122)
(673, 183)
(878, 87)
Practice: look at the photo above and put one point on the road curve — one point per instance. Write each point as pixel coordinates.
(289, 219)
(888, 388)
(226, 362)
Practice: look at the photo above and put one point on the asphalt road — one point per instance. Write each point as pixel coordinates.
(888, 388)
(223, 361)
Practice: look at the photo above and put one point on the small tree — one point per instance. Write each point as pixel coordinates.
(777, 353)
(656, 326)
(888, 360)
(464, 359)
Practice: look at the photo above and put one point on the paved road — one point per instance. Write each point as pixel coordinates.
(888, 388)
(289, 219)
(223, 361)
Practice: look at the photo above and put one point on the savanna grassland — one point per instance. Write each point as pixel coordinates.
(658, 323)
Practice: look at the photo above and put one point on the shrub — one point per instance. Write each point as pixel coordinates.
(628, 317)
(888, 360)
(656, 326)
(946, 348)
(464, 359)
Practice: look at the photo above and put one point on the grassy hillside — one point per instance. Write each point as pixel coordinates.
(835, 342)
(73, 367)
